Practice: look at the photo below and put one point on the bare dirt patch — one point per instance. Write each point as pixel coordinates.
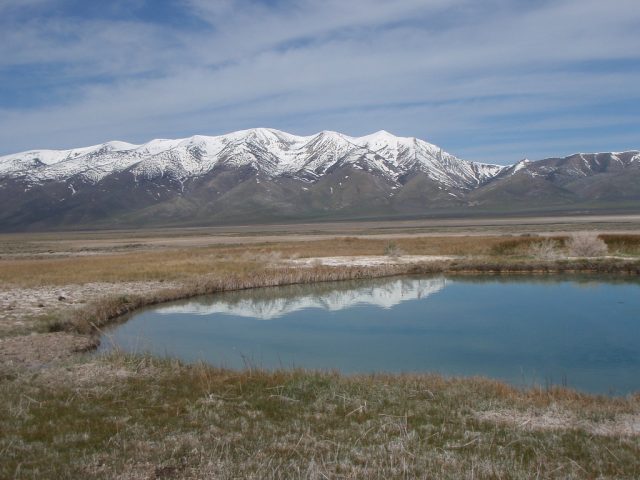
(38, 350)
(29, 309)
(21, 309)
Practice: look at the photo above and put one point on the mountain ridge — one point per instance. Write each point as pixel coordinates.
(263, 175)
(279, 153)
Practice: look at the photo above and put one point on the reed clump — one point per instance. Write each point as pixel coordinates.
(622, 244)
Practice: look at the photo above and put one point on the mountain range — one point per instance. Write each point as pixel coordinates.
(266, 175)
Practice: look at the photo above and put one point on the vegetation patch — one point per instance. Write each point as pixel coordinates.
(123, 416)
(622, 244)
(154, 418)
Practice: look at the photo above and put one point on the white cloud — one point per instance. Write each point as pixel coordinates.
(450, 70)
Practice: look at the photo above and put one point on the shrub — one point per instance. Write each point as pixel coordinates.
(392, 250)
(544, 250)
(586, 244)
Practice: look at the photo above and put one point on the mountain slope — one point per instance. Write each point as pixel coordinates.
(576, 179)
(263, 175)
(269, 151)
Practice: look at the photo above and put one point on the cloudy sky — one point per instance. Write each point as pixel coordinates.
(492, 81)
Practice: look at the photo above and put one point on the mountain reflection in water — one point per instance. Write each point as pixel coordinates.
(266, 304)
(579, 331)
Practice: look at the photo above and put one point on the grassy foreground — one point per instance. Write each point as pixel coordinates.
(140, 417)
(122, 416)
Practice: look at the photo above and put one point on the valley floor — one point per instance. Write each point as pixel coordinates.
(70, 413)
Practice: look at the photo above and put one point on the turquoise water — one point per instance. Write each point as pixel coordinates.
(579, 332)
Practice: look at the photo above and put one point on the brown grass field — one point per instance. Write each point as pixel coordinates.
(68, 414)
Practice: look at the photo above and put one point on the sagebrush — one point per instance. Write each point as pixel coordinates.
(586, 244)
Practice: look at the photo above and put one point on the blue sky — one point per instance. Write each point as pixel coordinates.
(491, 81)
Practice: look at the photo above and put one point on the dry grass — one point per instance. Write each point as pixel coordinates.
(105, 309)
(142, 417)
(622, 244)
(173, 264)
(392, 250)
(180, 264)
(102, 311)
(150, 276)
(141, 266)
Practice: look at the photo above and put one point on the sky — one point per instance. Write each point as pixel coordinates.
(493, 81)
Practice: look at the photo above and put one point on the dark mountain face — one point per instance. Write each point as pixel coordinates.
(581, 179)
(264, 175)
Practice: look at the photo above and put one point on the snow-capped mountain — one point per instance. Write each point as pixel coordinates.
(264, 175)
(271, 152)
(277, 304)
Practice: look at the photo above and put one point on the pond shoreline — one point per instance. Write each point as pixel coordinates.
(91, 319)
(84, 318)
(576, 330)
(72, 414)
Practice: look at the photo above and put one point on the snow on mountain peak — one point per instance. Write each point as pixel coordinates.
(519, 166)
(271, 151)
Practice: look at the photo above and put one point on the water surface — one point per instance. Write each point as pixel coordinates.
(580, 332)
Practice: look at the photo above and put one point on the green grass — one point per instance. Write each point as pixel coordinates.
(142, 417)
(127, 416)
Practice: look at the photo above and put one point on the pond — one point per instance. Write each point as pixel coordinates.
(582, 332)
